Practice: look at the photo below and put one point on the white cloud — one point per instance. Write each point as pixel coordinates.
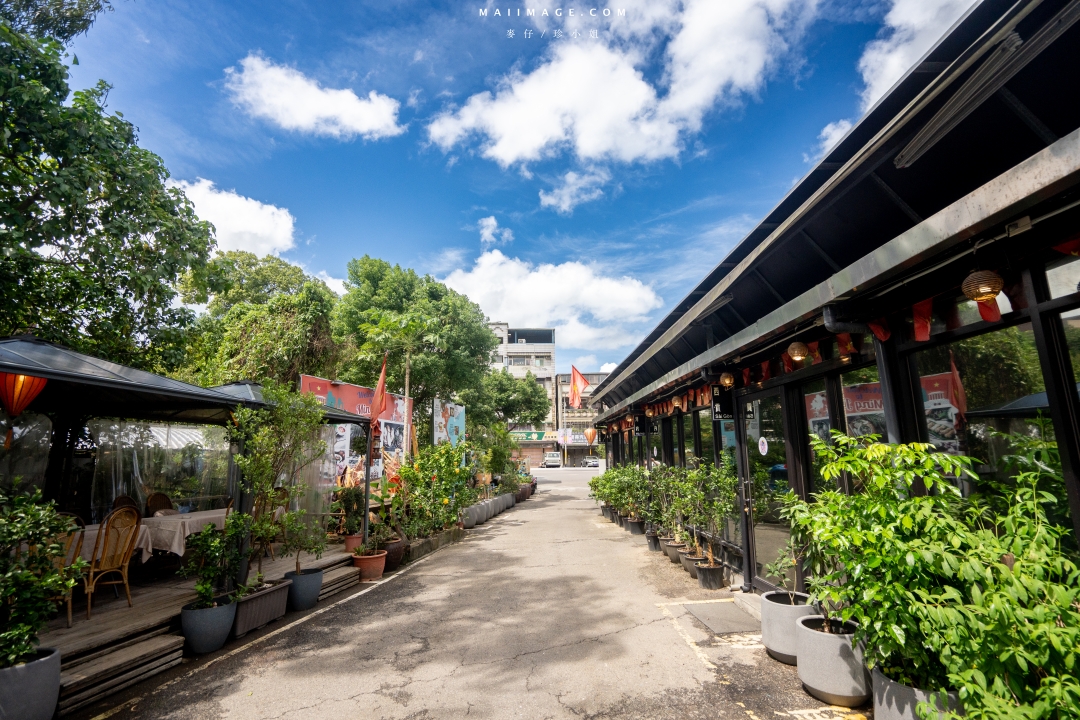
(293, 101)
(829, 136)
(911, 29)
(588, 310)
(335, 284)
(585, 362)
(242, 223)
(593, 98)
(608, 367)
(491, 233)
(575, 189)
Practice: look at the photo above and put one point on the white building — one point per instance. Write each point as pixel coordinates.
(524, 350)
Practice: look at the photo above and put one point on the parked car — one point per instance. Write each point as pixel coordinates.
(552, 460)
(591, 461)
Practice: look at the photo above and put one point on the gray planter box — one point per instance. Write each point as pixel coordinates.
(29, 691)
(893, 701)
(778, 618)
(830, 668)
(255, 610)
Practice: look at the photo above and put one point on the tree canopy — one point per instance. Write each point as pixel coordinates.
(503, 398)
(57, 19)
(236, 277)
(92, 242)
(456, 346)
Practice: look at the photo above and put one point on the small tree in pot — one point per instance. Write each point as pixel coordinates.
(32, 577)
(212, 558)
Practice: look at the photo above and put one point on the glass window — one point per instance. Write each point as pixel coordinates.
(705, 421)
(688, 437)
(1063, 276)
(978, 391)
(952, 312)
(864, 412)
(818, 423)
(766, 452)
(519, 360)
(675, 428)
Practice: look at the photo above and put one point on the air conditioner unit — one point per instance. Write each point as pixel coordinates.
(521, 341)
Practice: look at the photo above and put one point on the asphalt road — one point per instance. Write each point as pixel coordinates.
(546, 611)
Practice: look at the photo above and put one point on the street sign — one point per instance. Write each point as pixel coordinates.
(722, 406)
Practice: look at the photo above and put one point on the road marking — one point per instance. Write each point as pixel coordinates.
(236, 651)
(684, 635)
(696, 602)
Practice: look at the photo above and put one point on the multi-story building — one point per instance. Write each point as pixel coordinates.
(576, 420)
(521, 351)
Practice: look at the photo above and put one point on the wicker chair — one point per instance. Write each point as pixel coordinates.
(112, 552)
(157, 501)
(124, 501)
(72, 542)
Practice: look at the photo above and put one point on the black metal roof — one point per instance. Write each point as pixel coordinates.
(867, 190)
(91, 387)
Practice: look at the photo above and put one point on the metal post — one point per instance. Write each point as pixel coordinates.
(367, 479)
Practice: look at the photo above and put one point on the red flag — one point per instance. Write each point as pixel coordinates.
(844, 344)
(378, 400)
(745, 376)
(880, 328)
(1070, 246)
(959, 397)
(766, 370)
(577, 384)
(989, 310)
(815, 352)
(920, 315)
(789, 364)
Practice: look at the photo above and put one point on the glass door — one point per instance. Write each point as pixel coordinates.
(766, 480)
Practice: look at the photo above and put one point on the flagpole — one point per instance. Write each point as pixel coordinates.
(367, 479)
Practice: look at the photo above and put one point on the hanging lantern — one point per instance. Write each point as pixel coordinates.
(16, 392)
(676, 402)
(982, 285)
(648, 411)
(727, 379)
(798, 351)
(590, 435)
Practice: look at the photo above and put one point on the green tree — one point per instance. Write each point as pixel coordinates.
(236, 277)
(503, 398)
(407, 333)
(274, 340)
(57, 19)
(455, 359)
(92, 242)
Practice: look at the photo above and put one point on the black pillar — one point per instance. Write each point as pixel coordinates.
(667, 448)
(1060, 381)
(680, 439)
(695, 422)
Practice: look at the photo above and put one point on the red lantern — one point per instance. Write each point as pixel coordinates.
(16, 392)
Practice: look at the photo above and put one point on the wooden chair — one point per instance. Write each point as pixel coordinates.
(229, 506)
(112, 552)
(157, 501)
(72, 543)
(124, 501)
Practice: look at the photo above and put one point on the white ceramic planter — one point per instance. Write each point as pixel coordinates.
(829, 667)
(778, 618)
(893, 701)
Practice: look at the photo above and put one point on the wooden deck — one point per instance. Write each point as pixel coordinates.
(120, 645)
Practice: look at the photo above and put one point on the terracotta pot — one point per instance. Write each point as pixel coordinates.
(352, 542)
(395, 551)
(371, 566)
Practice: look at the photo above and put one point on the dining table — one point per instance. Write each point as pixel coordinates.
(166, 532)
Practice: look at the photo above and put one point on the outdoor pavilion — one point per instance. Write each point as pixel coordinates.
(120, 645)
(845, 308)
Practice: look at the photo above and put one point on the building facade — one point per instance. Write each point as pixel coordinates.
(521, 351)
(921, 283)
(574, 421)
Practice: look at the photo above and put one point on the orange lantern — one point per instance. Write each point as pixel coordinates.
(590, 435)
(16, 392)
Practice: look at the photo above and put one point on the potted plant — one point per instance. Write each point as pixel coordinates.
(864, 554)
(301, 537)
(368, 557)
(212, 557)
(718, 504)
(350, 501)
(33, 577)
(780, 610)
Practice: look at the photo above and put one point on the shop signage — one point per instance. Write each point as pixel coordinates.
(763, 445)
(722, 406)
(531, 435)
(640, 423)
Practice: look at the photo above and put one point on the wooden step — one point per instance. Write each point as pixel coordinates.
(338, 579)
(67, 663)
(113, 671)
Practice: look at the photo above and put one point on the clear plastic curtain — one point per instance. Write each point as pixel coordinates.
(189, 463)
(22, 466)
(320, 477)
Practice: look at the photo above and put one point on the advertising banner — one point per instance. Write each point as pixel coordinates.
(865, 411)
(395, 422)
(449, 422)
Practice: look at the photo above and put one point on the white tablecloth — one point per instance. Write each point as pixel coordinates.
(142, 542)
(170, 531)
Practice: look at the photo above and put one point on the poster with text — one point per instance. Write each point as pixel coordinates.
(449, 422)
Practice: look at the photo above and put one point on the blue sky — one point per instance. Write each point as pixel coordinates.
(579, 182)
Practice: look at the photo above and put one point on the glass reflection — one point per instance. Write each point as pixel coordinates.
(766, 453)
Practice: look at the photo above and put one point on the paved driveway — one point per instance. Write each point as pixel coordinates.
(547, 611)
